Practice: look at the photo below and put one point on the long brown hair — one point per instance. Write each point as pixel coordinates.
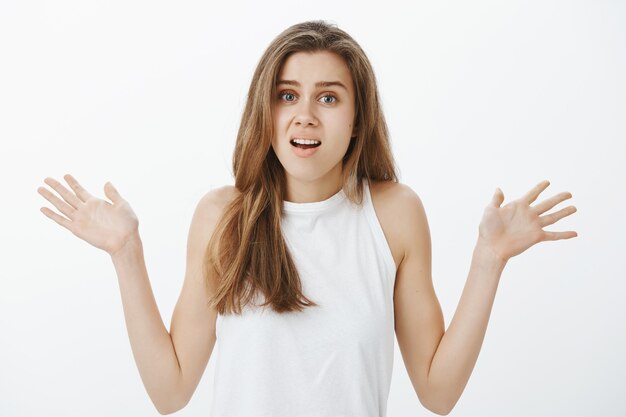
(247, 250)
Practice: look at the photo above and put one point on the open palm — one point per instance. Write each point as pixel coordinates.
(511, 229)
(102, 224)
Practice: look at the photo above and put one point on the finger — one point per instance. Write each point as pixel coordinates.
(498, 198)
(552, 218)
(551, 202)
(112, 193)
(532, 195)
(63, 192)
(559, 235)
(62, 206)
(78, 189)
(57, 218)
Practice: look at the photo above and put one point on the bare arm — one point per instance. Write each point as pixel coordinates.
(170, 366)
(150, 341)
(458, 350)
(504, 232)
(440, 362)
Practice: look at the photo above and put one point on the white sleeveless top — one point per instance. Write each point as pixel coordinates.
(331, 360)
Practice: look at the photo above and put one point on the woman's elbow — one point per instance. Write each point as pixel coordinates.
(438, 407)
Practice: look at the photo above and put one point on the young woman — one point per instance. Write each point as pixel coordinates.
(303, 269)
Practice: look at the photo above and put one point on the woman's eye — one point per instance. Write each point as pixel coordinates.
(291, 97)
(331, 96)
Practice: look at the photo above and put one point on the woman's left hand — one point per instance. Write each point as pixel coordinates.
(513, 228)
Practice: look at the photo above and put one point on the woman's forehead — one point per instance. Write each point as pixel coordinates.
(309, 68)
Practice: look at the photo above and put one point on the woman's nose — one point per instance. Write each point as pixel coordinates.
(304, 114)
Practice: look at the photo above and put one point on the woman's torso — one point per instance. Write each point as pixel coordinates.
(383, 194)
(339, 354)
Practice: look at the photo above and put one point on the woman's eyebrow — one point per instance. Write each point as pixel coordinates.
(317, 84)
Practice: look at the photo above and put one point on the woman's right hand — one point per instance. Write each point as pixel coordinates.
(102, 224)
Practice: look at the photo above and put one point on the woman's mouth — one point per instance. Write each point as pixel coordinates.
(303, 149)
(305, 144)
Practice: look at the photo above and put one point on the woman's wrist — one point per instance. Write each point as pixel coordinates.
(131, 245)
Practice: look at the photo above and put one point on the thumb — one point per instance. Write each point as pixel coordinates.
(498, 198)
(111, 192)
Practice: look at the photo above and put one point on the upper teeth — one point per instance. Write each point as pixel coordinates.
(306, 141)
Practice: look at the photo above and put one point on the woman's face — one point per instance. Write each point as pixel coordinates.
(305, 107)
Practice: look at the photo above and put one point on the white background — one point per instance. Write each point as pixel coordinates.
(477, 95)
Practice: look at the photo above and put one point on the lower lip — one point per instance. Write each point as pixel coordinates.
(304, 153)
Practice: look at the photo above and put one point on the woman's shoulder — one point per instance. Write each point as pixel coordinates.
(392, 201)
(213, 203)
(392, 193)
(220, 196)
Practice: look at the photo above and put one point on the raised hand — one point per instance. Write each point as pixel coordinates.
(513, 228)
(102, 224)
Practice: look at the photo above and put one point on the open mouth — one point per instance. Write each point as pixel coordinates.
(304, 146)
